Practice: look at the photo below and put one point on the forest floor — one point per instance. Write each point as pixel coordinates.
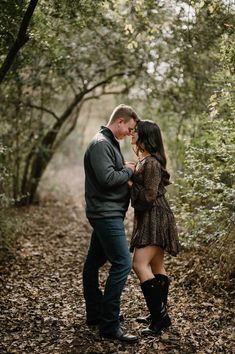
(42, 308)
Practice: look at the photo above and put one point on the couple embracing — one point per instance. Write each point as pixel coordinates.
(109, 184)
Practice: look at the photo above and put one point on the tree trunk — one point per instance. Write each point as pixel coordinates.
(43, 155)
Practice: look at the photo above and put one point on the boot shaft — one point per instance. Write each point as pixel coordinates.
(155, 292)
(154, 296)
(165, 282)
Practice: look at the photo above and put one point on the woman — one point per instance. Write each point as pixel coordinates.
(154, 225)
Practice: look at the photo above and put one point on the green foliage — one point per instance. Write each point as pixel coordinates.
(11, 13)
(80, 50)
(207, 187)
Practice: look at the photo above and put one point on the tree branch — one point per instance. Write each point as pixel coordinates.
(20, 40)
(109, 79)
(44, 109)
(47, 145)
(78, 98)
(71, 128)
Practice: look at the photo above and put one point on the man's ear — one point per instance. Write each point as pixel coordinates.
(120, 120)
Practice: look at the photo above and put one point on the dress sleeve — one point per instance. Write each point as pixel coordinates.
(143, 196)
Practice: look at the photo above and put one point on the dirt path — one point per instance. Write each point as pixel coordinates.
(41, 301)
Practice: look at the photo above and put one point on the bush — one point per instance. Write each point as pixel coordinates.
(206, 188)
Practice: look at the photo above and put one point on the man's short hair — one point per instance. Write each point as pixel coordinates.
(125, 112)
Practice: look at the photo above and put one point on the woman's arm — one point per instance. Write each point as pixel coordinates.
(143, 196)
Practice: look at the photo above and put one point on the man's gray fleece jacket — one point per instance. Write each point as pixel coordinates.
(106, 177)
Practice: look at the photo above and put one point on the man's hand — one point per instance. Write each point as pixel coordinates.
(130, 165)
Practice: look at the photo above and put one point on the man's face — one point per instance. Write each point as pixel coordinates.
(125, 129)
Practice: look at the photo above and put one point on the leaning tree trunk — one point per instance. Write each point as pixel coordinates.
(39, 157)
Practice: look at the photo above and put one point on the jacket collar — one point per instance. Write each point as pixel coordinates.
(109, 134)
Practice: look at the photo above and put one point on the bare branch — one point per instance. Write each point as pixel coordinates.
(79, 74)
(109, 79)
(41, 108)
(111, 66)
(71, 128)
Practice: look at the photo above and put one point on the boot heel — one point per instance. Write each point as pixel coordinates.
(156, 328)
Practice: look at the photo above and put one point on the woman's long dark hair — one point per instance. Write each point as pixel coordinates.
(150, 138)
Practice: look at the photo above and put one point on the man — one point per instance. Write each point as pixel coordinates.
(107, 199)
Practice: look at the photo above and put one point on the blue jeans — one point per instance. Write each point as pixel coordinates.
(108, 243)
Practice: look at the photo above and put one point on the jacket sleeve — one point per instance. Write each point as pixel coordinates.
(144, 196)
(102, 159)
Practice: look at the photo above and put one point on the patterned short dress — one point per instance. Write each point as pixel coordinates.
(154, 222)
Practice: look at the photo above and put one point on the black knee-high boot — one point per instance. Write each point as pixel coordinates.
(165, 282)
(153, 291)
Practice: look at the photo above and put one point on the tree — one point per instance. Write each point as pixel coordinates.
(193, 38)
(93, 49)
(87, 51)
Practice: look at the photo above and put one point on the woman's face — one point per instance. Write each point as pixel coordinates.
(134, 136)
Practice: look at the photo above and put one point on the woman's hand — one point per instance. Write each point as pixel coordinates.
(130, 165)
(130, 183)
